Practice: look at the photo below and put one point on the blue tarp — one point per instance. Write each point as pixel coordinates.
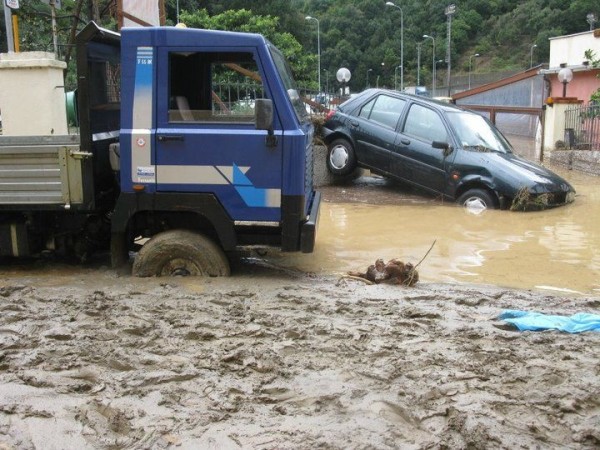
(534, 321)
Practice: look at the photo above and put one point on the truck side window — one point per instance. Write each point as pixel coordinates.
(213, 87)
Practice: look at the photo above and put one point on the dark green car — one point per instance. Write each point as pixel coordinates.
(438, 147)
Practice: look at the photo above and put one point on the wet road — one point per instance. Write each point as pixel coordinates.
(555, 250)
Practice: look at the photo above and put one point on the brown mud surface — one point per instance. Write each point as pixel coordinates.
(272, 360)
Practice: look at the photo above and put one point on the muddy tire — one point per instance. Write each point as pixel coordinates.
(478, 199)
(341, 159)
(180, 252)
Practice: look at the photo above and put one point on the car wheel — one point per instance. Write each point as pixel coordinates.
(477, 199)
(180, 252)
(341, 159)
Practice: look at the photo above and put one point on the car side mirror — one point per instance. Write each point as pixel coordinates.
(447, 148)
(263, 114)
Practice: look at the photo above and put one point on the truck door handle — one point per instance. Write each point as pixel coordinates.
(405, 141)
(170, 138)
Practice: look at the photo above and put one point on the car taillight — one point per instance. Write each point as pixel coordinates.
(330, 114)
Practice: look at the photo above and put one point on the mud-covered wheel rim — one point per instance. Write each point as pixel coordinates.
(180, 253)
(180, 267)
(338, 157)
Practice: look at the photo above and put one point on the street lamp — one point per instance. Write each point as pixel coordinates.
(318, 50)
(425, 36)
(368, 71)
(531, 55)
(476, 55)
(395, 76)
(401, 42)
(565, 75)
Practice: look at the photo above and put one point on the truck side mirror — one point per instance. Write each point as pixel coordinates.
(263, 113)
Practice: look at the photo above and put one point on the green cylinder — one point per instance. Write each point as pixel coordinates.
(71, 100)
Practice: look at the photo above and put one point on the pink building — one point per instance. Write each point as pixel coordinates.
(569, 51)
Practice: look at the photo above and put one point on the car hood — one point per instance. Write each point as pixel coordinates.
(511, 173)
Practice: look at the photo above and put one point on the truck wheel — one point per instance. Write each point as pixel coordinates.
(478, 199)
(341, 159)
(180, 252)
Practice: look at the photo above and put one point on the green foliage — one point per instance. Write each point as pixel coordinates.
(595, 62)
(244, 20)
(357, 34)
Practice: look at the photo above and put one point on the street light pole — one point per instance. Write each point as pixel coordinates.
(449, 11)
(433, 69)
(418, 64)
(401, 43)
(318, 50)
(396, 76)
(531, 55)
(476, 55)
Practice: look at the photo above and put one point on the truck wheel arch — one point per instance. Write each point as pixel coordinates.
(204, 206)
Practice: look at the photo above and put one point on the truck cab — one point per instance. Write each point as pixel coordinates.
(213, 138)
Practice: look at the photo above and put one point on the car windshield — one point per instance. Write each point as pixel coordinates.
(477, 133)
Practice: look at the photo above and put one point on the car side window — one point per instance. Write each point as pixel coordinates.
(365, 111)
(425, 124)
(384, 110)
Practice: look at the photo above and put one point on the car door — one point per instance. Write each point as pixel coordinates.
(206, 137)
(375, 131)
(422, 164)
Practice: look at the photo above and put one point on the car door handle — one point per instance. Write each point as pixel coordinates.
(405, 141)
(170, 138)
(354, 123)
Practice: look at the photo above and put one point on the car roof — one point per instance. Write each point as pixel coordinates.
(360, 98)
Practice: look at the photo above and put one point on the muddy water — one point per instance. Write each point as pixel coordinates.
(556, 250)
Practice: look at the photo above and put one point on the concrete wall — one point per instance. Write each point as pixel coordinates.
(585, 161)
(32, 94)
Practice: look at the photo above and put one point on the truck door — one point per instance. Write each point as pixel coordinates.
(206, 136)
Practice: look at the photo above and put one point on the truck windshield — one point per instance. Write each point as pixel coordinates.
(477, 133)
(290, 85)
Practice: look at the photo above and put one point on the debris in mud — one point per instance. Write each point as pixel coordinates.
(394, 272)
(525, 201)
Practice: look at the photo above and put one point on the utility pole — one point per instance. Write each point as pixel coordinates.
(10, 40)
(450, 10)
(418, 64)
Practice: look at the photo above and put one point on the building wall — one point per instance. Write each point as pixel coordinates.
(570, 49)
(582, 86)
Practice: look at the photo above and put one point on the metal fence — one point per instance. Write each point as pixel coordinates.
(582, 127)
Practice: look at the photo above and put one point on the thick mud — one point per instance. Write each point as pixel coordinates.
(271, 360)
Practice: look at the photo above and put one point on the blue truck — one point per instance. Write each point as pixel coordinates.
(192, 144)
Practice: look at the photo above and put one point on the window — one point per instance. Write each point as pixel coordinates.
(384, 110)
(213, 87)
(425, 124)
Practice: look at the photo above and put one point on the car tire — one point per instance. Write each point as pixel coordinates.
(341, 159)
(478, 199)
(180, 252)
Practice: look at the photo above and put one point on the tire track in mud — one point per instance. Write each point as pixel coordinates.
(289, 362)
